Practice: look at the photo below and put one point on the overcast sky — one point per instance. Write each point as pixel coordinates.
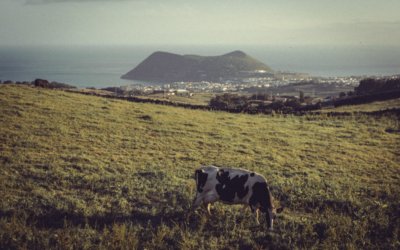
(209, 22)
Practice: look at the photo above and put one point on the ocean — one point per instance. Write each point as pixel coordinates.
(102, 66)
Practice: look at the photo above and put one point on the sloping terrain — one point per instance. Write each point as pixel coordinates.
(369, 107)
(87, 172)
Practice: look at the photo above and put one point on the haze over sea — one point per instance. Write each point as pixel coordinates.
(103, 66)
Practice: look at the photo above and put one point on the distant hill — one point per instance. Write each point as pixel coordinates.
(169, 67)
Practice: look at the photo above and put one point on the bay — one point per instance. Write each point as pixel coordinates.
(102, 66)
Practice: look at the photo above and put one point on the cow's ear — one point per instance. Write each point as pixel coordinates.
(199, 171)
(279, 210)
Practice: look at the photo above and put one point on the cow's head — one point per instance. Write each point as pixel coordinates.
(271, 214)
(201, 179)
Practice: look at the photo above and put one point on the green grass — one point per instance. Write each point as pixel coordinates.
(374, 106)
(84, 172)
(196, 99)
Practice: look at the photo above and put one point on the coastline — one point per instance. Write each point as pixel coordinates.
(102, 66)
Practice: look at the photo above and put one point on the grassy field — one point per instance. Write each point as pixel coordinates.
(370, 107)
(196, 99)
(84, 172)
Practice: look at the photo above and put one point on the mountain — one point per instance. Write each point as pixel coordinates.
(169, 67)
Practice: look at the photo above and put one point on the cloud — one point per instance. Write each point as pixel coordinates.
(67, 1)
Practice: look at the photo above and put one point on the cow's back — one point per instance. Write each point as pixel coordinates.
(233, 186)
(237, 185)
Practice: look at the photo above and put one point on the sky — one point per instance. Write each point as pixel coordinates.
(203, 22)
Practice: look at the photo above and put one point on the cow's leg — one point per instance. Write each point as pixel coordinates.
(257, 216)
(255, 210)
(193, 207)
(208, 200)
(270, 218)
(198, 200)
(207, 206)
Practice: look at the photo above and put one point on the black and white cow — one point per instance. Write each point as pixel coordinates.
(234, 186)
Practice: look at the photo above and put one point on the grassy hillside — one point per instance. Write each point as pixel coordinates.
(370, 107)
(93, 173)
(196, 99)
